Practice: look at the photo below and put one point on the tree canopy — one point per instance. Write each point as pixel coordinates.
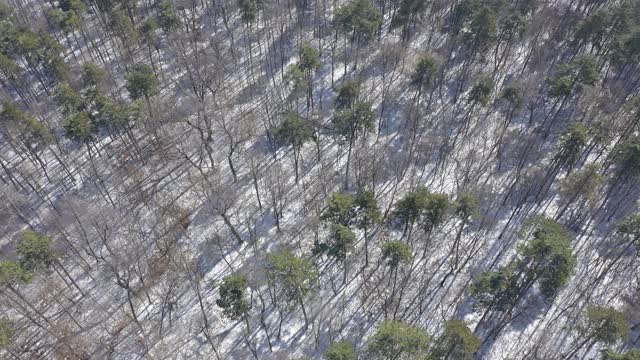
(233, 299)
(359, 18)
(35, 251)
(398, 340)
(341, 350)
(141, 81)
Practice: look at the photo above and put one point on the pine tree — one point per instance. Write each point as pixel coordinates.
(122, 26)
(12, 273)
(421, 207)
(424, 75)
(395, 340)
(167, 17)
(571, 78)
(297, 80)
(456, 342)
(293, 132)
(601, 325)
(341, 350)
(309, 63)
(342, 241)
(70, 100)
(481, 91)
(80, 128)
(394, 253)
(626, 156)
(407, 14)
(629, 228)
(250, 9)
(347, 95)
(351, 124)
(92, 74)
(339, 209)
(35, 251)
(6, 333)
(572, 143)
(408, 210)
(546, 260)
(360, 19)
(141, 82)
(632, 354)
(466, 208)
(367, 215)
(294, 275)
(233, 298)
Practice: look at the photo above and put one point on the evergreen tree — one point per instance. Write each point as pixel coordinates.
(294, 275)
(250, 9)
(632, 354)
(339, 209)
(7, 332)
(70, 100)
(572, 143)
(355, 122)
(407, 14)
(233, 298)
(296, 78)
(456, 342)
(548, 257)
(462, 13)
(367, 215)
(601, 325)
(593, 30)
(514, 96)
(626, 50)
(572, 77)
(309, 63)
(465, 208)
(167, 17)
(92, 74)
(482, 30)
(629, 228)
(360, 19)
(32, 132)
(294, 131)
(309, 58)
(141, 82)
(605, 325)
(147, 31)
(341, 350)
(421, 207)
(626, 156)
(408, 209)
(122, 27)
(396, 253)
(395, 340)
(80, 128)
(347, 95)
(35, 251)
(12, 274)
(481, 91)
(424, 74)
(350, 124)
(342, 241)
(546, 260)
(434, 212)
